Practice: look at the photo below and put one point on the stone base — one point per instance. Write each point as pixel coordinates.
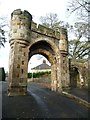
(16, 94)
(59, 90)
(67, 89)
(17, 90)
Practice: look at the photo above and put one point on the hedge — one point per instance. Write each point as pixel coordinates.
(38, 74)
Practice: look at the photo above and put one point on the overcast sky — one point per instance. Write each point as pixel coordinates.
(37, 8)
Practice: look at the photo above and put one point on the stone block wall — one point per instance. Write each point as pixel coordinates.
(26, 39)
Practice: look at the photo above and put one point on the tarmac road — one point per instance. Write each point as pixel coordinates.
(41, 103)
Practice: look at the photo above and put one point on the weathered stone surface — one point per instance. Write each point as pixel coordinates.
(26, 39)
(79, 75)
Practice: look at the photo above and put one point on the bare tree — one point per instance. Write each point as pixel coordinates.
(82, 10)
(78, 46)
(80, 7)
(2, 32)
(52, 21)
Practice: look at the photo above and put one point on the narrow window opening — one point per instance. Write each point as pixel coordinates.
(22, 62)
(18, 66)
(24, 53)
(22, 71)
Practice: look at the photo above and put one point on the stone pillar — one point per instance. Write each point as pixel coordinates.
(64, 62)
(59, 74)
(53, 77)
(65, 72)
(20, 26)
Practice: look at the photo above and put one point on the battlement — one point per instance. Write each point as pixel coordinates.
(20, 19)
(23, 14)
(22, 26)
(45, 30)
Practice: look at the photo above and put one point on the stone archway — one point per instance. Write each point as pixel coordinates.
(27, 39)
(78, 75)
(47, 50)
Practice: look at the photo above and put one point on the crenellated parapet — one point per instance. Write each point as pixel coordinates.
(22, 26)
(61, 35)
(45, 30)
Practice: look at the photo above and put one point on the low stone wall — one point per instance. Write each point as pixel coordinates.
(44, 82)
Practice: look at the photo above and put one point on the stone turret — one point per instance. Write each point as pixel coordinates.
(20, 26)
(19, 39)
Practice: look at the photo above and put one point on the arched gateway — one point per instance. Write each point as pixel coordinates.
(26, 39)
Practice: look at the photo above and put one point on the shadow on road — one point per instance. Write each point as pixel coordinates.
(40, 103)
